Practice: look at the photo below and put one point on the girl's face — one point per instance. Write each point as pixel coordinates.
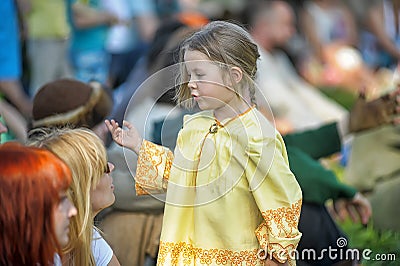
(103, 194)
(61, 215)
(206, 82)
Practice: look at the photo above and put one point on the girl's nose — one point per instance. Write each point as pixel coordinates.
(192, 84)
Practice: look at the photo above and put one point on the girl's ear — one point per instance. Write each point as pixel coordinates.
(237, 74)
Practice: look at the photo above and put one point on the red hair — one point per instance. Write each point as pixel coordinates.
(30, 182)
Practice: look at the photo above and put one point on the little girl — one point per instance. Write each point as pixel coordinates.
(231, 198)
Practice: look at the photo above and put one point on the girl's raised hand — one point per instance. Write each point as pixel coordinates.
(129, 138)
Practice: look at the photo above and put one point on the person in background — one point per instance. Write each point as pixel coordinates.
(89, 24)
(376, 173)
(333, 59)
(316, 127)
(380, 36)
(10, 59)
(48, 33)
(71, 102)
(91, 191)
(35, 210)
(127, 41)
(296, 104)
(12, 119)
(325, 22)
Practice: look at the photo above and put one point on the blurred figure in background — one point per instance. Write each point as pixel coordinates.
(35, 210)
(296, 105)
(377, 173)
(318, 125)
(71, 102)
(128, 40)
(333, 60)
(48, 33)
(10, 59)
(325, 22)
(380, 36)
(13, 120)
(90, 24)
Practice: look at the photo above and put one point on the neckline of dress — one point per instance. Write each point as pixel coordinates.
(222, 124)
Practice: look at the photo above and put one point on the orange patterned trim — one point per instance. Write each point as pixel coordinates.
(283, 222)
(153, 168)
(186, 254)
(280, 223)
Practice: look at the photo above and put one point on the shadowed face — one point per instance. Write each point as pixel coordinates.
(283, 24)
(62, 215)
(103, 194)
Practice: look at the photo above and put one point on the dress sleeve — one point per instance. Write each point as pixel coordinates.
(278, 197)
(153, 169)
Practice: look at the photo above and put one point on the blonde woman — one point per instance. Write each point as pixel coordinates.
(91, 191)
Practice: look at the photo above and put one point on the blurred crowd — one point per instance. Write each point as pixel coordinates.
(327, 79)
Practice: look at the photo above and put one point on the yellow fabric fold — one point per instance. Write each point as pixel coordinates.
(230, 192)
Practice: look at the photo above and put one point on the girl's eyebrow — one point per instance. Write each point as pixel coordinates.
(195, 69)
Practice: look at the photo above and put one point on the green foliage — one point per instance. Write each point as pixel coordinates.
(381, 244)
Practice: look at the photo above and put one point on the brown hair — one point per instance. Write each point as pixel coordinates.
(225, 43)
(70, 102)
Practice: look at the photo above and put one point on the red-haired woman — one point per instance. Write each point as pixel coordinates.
(35, 211)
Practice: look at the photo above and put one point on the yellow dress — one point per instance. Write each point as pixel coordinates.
(230, 193)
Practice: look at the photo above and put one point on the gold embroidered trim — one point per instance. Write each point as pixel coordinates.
(174, 253)
(283, 220)
(167, 170)
(153, 168)
(279, 223)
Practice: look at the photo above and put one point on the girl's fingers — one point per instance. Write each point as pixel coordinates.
(110, 127)
(127, 124)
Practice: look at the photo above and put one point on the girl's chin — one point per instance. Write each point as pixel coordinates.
(203, 107)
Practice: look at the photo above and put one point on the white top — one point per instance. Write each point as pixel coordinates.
(123, 37)
(291, 97)
(330, 22)
(101, 250)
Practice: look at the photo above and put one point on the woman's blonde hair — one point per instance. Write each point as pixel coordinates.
(227, 44)
(85, 155)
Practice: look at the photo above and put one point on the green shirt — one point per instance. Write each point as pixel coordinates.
(304, 149)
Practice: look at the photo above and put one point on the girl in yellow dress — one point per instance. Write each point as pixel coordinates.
(231, 197)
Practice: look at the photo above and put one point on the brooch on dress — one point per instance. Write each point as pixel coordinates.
(213, 129)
